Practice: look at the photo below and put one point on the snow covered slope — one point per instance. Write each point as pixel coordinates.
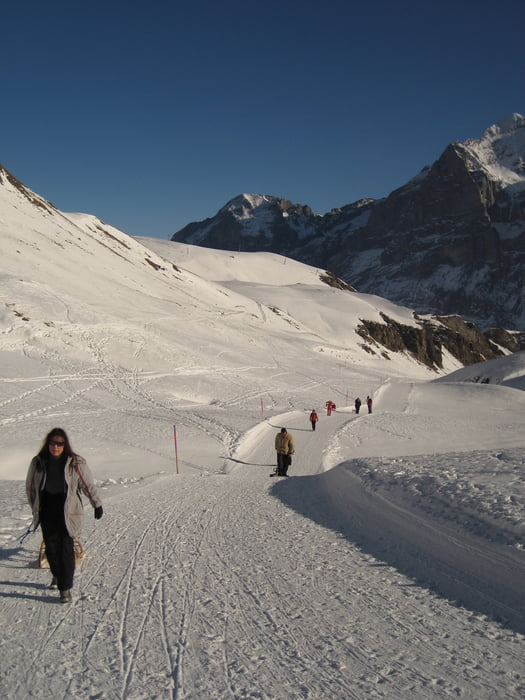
(390, 563)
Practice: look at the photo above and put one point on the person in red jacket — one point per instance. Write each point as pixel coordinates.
(369, 404)
(313, 419)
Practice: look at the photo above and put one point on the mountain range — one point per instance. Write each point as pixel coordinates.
(38, 240)
(143, 270)
(449, 241)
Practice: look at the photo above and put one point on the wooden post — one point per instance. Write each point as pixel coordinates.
(176, 453)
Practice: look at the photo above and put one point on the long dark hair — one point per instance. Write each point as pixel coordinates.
(56, 432)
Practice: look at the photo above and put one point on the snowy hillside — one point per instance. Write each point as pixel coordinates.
(390, 564)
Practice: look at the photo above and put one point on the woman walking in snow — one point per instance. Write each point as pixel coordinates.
(313, 418)
(55, 480)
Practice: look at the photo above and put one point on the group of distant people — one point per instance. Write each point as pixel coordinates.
(357, 404)
(284, 444)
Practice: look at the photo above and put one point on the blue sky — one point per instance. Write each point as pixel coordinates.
(151, 115)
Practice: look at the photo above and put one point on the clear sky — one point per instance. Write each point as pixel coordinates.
(154, 114)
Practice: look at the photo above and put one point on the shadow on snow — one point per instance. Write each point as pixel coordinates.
(467, 570)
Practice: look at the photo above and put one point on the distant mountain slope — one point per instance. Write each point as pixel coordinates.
(450, 241)
(72, 284)
(383, 329)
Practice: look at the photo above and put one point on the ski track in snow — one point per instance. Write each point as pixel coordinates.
(218, 586)
(228, 584)
(183, 602)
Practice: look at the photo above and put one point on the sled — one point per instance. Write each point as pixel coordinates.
(42, 559)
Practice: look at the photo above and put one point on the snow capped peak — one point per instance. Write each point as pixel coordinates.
(246, 206)
(506, 125)
(257, 200)
(501, 150)
(243, 205)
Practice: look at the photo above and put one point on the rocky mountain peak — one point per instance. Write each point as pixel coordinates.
(500, 151)
(449, 241)
(250, 206)
(506, 126)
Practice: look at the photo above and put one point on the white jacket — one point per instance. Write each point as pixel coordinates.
(78, 479)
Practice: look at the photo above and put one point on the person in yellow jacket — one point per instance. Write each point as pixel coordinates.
(284, 447)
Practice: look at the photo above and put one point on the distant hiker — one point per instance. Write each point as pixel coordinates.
(285, 448)
(55, 479)
(313, 419)
(369, 404)
(357, 404)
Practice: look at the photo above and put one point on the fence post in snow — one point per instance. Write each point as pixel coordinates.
(176, 453)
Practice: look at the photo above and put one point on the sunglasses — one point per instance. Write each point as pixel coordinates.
(57, 443)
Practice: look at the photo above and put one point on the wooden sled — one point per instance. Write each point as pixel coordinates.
(42, 559)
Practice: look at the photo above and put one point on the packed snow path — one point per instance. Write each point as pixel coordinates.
(213, 586)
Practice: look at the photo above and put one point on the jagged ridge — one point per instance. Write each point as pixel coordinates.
(450, 241)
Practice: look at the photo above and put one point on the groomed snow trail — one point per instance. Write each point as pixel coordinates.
(212, 587)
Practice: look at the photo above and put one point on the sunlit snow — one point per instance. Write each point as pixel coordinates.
(390, 564)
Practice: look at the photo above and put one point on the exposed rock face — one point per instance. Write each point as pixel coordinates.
(428, 341)
(514, 342)
(450, 241)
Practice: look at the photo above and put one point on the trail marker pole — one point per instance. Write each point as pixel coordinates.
(176, 453)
